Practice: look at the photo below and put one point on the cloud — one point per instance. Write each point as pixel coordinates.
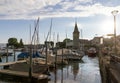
(31, 9)
(85, 1)
(97, 9)
(51, 2)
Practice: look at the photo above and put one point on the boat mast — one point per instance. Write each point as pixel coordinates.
(30, 35)
(30, 65)
(49, 34)
(66, 39)
(50, 30)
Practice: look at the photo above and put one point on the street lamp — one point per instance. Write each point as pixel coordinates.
(114, 13)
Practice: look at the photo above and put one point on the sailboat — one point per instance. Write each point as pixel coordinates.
(35, 54)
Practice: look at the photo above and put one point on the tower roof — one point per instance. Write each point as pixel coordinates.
(76, 28)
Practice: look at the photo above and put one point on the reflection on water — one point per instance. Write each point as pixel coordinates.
(78, 72)
(75, 69)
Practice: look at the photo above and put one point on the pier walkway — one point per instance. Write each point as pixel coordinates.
(23, 77)
(23, 74)
(10, 63)
(19, 71)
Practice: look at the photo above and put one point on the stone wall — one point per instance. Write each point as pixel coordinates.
(109, 69)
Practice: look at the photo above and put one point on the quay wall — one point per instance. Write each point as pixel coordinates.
(109, 68)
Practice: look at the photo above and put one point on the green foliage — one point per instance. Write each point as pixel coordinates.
(61, 44)
(14, 42)
(66, 40)
(51, 43)
(21, 43)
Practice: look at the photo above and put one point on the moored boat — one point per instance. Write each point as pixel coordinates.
(25, 55)
(92, 52)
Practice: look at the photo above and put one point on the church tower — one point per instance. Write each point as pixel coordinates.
(76, 37)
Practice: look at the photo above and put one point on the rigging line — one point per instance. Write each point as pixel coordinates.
(48, 33)
(30, 34)
(37, 36)
(58, 37)
(49, 30)
(35, 30)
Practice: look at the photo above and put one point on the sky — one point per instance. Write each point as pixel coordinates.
(93, 18)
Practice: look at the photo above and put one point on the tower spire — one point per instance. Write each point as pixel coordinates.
(76, 36)
(76, 27)
(75, 20)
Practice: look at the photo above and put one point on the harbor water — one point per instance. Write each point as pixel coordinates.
(85, 71)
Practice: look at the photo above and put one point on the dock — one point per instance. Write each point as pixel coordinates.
(19, 72)
(10, 63)
(22, 76)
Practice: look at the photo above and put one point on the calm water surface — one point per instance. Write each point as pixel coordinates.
(78, 72)
(86, 71)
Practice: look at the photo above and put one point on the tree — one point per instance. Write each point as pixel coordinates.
(21, 43)
(66, 40)
(60, 44)
(12, 42)
(49, 43)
